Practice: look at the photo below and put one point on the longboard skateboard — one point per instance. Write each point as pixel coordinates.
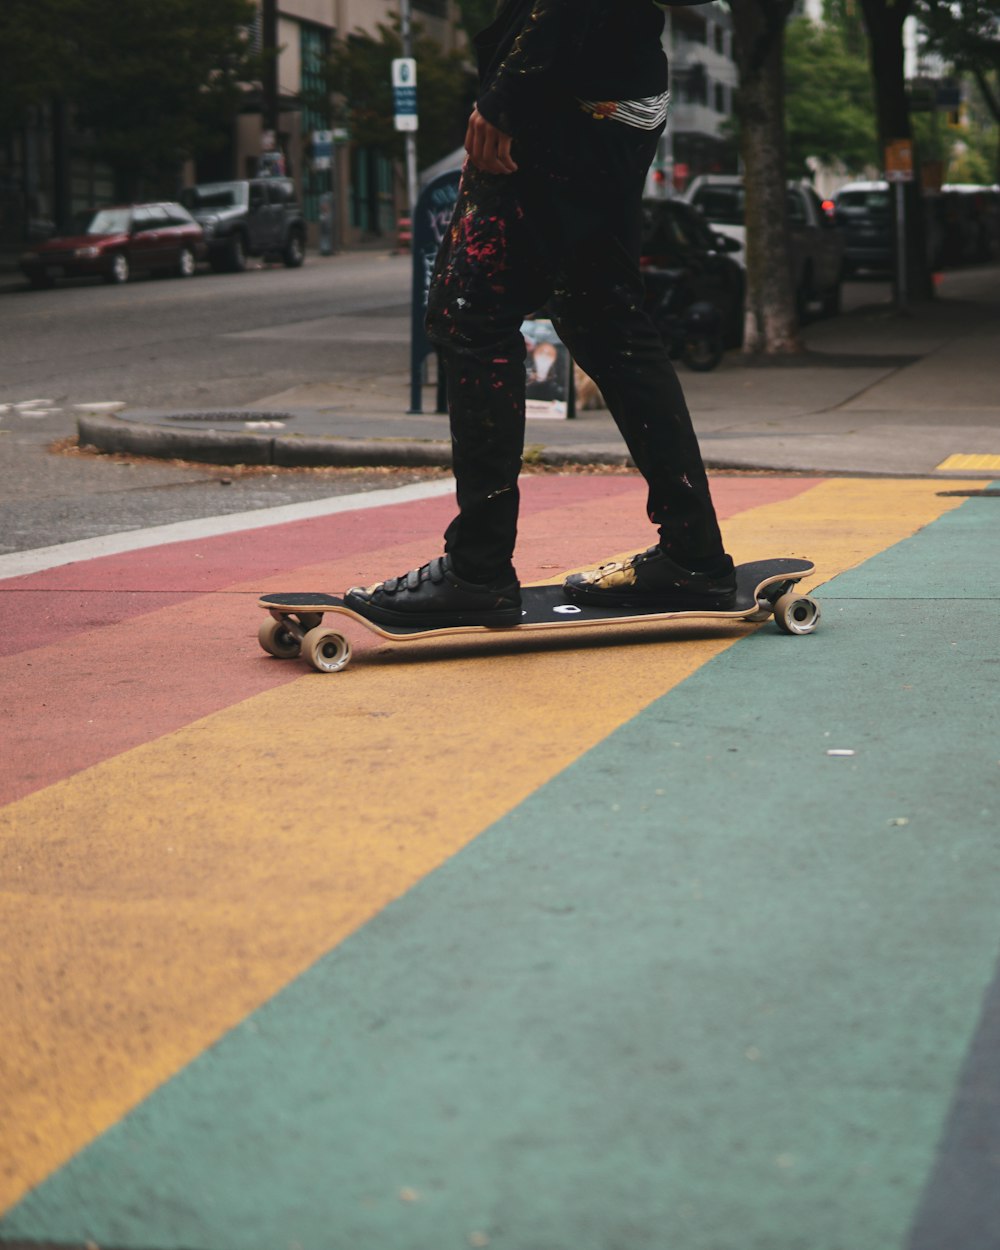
(764, 588)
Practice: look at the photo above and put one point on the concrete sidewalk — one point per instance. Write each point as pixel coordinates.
(877, 392)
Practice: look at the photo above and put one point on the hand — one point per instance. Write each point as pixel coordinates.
(488, 147)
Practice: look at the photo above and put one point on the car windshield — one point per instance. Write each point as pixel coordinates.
(721, 204)
(104, 221)
(215, 195)
(877, 201)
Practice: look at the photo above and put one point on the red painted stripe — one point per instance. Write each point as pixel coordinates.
(137, 582)
(141, 672)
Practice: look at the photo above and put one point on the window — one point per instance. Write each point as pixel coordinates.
(215, 195)
(282, 191)
(721, 203)
(314, 49)
(720, 98)
(177, 216)
(720, 40)
(796, 210)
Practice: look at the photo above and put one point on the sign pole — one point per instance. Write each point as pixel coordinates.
(901, 284)
(899, 170)
(406, 30)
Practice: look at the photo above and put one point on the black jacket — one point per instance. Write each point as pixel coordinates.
(539, 51)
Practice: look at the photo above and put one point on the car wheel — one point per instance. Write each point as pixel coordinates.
(701, 352)
(295, 250)
(236, 257)
(41, 281)
(119, 271)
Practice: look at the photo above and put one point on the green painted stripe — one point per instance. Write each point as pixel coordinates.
(711, 987)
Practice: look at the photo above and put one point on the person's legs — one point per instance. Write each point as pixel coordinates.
(490, 274)
(597, 308)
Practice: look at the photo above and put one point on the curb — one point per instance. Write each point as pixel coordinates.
(225, 447)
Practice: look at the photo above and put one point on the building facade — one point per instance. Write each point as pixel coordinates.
(357, 194)
(699, 46)
(45, 178)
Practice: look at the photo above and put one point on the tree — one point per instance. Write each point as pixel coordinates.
(829, 107)
(759, 38)
(967, 34)
(361, 73)
(159, 84)
(476, 15)
(36, 57)
(884, 21)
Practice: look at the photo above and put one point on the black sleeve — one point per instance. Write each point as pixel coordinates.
(548, 39)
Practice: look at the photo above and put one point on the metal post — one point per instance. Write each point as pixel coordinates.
(269, 41)
(412, 190)
(901, 283)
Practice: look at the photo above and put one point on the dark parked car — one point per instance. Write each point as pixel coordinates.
(114, 243)
(865, 211)
(680, 248)
(255, 217)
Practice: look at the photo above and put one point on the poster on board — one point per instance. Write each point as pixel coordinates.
(549, 372)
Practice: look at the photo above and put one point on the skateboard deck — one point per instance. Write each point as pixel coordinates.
(764, 588)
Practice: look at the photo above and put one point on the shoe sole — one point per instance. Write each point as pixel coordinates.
(502, 617)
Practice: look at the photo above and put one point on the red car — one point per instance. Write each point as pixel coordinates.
(113, 243)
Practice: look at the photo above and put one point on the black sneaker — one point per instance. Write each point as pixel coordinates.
(435, 597)
(652, 579)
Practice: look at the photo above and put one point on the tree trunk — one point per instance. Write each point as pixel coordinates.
(759, 28)
(993, 104)
(884, 20)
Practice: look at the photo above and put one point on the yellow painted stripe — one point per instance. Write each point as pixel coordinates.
(975, 463)
(154, 900)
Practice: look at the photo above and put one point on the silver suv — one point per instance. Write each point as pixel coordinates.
(255, 217)
(815, 244)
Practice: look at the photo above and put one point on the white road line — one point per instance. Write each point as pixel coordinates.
(20, 563)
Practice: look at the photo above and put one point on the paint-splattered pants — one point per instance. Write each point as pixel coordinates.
(525, 241)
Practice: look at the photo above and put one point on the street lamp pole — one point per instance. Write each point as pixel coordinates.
(406, 30)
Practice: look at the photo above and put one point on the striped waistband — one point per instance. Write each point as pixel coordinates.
(646, 114)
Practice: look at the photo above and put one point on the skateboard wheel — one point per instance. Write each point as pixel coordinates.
(326, 650)
(277, 640)
(796, 614)
(763, 613)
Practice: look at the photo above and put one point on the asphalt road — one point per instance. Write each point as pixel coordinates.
(211, 342)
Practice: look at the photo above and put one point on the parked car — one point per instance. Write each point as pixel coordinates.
(684, 263)
(113, 243)
(816, 245)
(961, 225)
(865, 211)
(255, 217)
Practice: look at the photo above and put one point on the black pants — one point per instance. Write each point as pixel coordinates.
(563, 233)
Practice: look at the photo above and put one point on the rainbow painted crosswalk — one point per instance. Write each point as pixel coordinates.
(535, 942)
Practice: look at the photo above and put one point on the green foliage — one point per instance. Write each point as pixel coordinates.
(164, 84)
(476, 15)
(361, 73)
(36, 56)
(964, 32)
(149, 84)
(829, 108)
